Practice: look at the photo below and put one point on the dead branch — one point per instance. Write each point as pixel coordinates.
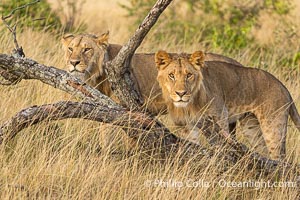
(150, 134)
(119, 75)
(19, 8)
(12, 68)
(18, 51)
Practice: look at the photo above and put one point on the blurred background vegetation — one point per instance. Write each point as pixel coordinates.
(41, 16)
(226, 25)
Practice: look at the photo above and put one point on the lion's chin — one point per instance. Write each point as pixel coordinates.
(180, 104)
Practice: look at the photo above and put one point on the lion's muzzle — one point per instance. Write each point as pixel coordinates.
(181, 98)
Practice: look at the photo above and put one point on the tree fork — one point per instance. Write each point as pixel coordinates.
(118, 70)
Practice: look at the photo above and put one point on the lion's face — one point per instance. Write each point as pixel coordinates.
(85, 54)
(179, 76)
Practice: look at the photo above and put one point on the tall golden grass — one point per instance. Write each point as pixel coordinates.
(78, 159)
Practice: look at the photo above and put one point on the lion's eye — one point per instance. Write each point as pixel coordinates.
(189, 75)
(70, 49)
(171, 76)
(87, 50)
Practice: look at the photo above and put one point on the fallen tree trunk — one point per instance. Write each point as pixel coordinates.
(149, 133)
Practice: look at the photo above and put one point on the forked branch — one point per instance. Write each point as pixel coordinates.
(18, 51)
(119, 75)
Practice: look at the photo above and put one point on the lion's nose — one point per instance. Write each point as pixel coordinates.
(74, 62)
(181, 93)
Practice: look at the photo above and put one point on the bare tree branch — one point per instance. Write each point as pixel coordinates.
(150, 134)
(119, 75)
(18, 51)
(23, 68)
(19, 8)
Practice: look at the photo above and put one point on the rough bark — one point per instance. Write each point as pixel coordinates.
(151, 135)
(7, 78)
(14, 69)
(119, 75)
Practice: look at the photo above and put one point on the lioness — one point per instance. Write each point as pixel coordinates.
(192, 86)
(86, 53)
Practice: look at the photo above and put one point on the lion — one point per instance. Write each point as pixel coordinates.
(193, 87)
(85, 55)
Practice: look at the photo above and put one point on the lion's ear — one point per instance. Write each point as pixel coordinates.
(197, 59)
(162, 58)
(67, 38)
(103, 39)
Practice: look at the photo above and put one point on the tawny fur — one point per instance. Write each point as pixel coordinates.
(226, 92)
(91, 51)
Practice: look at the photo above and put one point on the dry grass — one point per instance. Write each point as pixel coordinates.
(77, 159)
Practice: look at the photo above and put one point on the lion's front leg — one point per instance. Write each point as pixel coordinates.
(191, 133)
(221, 117)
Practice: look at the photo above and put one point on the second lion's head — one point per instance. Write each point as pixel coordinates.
(84, 55)
(179, 76)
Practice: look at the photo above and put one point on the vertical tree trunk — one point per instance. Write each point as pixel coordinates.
(118, 70)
